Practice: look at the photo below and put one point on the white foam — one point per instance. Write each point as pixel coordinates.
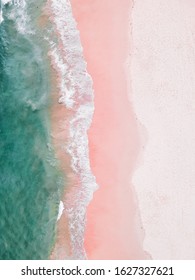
(1, 16)
(60, 211)
(76, 93)
(18, 13)
(4, 2)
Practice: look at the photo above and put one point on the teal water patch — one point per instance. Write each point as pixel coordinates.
(30, 180)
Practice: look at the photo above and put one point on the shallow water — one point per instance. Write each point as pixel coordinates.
(30, 180)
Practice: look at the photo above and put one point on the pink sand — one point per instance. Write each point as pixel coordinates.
(113, 230)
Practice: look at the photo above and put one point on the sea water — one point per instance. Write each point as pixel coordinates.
(30, 179)
(31, 183)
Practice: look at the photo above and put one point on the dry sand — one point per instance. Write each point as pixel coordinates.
(163, 82)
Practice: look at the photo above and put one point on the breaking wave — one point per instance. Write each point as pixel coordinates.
(76, 93)
(17, 11)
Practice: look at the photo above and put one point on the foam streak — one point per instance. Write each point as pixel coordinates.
(76, 93)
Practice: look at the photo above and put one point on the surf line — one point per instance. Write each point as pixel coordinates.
(77, 95)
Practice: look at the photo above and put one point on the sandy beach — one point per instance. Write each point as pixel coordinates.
(163, 75)
(113, 229)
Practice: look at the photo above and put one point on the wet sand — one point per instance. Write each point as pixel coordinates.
(113, 229)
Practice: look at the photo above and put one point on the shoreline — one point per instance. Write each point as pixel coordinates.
(62, 245)
(113, 230)
(70, 121)
(59, 117)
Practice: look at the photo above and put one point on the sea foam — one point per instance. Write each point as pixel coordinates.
(17, 13)
(76, 93)
(2, 3)
(60, 210)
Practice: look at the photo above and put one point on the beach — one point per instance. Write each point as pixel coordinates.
(142, 117)
(113, 229)
(163, 96)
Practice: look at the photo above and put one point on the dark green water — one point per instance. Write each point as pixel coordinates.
(29, 181)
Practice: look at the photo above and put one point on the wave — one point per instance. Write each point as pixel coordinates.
(60, 210)
(76, 93)
(17, 13)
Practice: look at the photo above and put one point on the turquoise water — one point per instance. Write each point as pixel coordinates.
(29, 175)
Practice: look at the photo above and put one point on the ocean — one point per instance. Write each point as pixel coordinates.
(30, 178)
